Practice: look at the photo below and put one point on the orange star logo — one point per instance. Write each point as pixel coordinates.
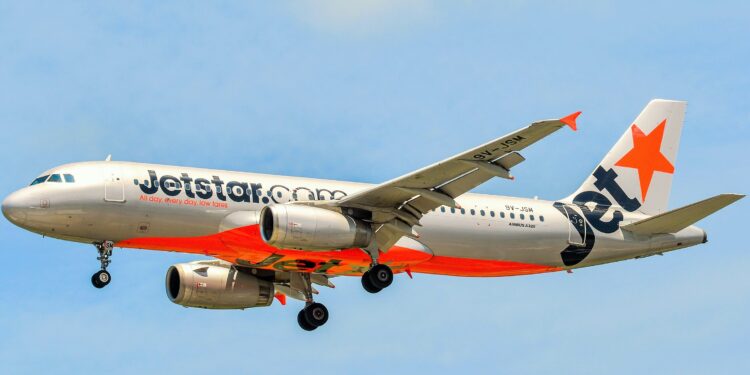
(646, 156)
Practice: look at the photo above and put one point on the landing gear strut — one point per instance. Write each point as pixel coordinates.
(101, 278)
(314, 314)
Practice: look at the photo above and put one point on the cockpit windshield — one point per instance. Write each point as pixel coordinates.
(39, 180)
(57, 177)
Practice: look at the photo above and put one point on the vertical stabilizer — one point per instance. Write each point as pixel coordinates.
(636, 173)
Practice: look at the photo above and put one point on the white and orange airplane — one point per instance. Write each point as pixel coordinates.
(276, 236)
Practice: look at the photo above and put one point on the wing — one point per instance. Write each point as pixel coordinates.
(396, 206)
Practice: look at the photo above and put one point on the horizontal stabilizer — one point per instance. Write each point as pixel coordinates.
(676, 220)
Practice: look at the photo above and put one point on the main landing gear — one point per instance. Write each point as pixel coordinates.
(377, 278)
(314, 314)
(102, 277)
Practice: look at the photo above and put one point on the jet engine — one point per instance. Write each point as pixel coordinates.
(291, 226)
(216, 285)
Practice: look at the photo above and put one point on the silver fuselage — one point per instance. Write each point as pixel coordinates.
(116, 201)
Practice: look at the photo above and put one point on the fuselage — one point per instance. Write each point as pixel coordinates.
(215, 212)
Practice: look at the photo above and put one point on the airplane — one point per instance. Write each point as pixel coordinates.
(272, 237)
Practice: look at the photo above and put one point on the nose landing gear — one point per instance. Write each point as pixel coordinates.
(102, 278)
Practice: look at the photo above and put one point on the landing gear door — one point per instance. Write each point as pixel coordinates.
(114, 187)
(576, 227)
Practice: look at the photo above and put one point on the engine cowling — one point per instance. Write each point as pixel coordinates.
(216, 285)
(291, 226)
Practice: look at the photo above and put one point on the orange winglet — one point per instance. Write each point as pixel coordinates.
(281, 297)
(408, 272)
(570, 120)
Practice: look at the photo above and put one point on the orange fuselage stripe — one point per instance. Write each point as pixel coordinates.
(244, 246)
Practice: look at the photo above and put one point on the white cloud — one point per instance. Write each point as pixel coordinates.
(363, 17)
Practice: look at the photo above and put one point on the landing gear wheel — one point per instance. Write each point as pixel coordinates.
(380, 276)
(367, 284)
(315, 314)
(101, 279)
(303, 322)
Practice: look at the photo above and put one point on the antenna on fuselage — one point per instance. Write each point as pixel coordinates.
(109, 158)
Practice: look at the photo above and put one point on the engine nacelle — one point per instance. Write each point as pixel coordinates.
(292, 226)
(216, 285)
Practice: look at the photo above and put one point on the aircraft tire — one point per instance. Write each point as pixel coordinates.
(380, 276)
(101, 279)
(302, 321)
(316, 314)
(367, 284)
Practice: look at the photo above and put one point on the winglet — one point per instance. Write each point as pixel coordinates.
(570, 120)
(281, 297)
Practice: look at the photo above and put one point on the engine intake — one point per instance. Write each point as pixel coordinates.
(291, 226)
(216, 285)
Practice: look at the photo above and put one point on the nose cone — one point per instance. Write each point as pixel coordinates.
(14, 210)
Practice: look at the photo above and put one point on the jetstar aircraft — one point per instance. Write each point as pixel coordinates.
(275, 236)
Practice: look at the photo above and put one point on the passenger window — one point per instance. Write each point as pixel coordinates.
(69, 178)
(541, 218)
(512, 215)
(502, 215)
(463, 211)
(481, 212)
(472, 212)
(492, 213)
(521, 216)
(55, 178)
(531, 217)
(39, 180)
(453, 210)
(442, 209)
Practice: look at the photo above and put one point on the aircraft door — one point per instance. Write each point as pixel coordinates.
(576, 227)
(114, 187)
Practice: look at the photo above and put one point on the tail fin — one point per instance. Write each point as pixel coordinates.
(637, 172)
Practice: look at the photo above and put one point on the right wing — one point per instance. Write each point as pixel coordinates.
(398, 205)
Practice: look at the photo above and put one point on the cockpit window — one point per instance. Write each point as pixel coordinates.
(39, 180)
(69, 178)
(55, 178)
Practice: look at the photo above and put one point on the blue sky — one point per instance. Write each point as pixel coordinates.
(366, 91)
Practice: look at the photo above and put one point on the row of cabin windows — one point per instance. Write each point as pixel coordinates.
(54, 178)
(491, 213)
